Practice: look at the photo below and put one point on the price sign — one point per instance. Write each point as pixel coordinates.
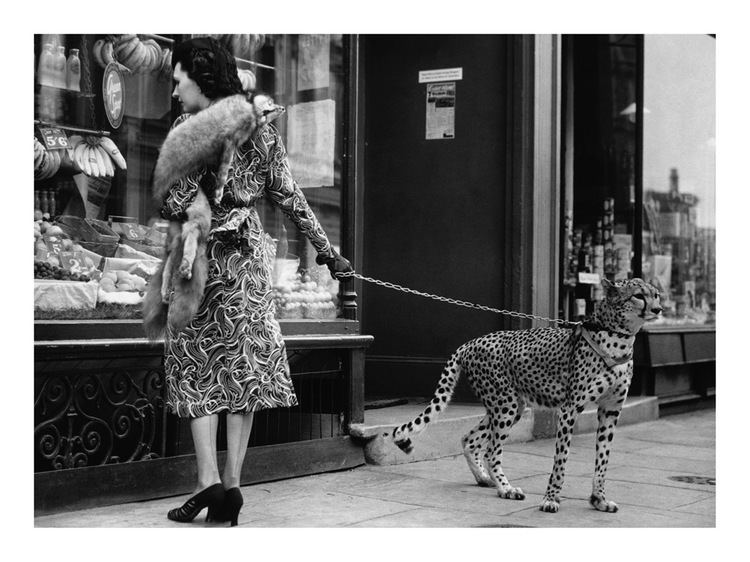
(54, 244)
(130, 230)
(54, 138)
(72, 261)
(589, 278)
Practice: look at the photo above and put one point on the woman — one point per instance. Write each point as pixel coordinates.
(232, 357)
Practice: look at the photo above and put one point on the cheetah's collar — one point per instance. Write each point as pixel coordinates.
(608, 359)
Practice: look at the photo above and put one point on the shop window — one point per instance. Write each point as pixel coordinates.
(599, 166)
(97, 241)
(679, 222)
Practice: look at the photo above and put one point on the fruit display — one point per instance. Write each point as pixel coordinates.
(46, 162)
(136, 55)
(302, 297)
(46, 270)
(122, 281)
(247, 79)
(241, 45)
(95, 156)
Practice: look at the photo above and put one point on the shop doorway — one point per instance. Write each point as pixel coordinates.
(434, 202)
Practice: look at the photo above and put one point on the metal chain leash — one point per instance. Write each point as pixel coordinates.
(396, 287)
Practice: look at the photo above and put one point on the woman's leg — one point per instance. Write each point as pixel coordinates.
(238, 434)
(204, 438)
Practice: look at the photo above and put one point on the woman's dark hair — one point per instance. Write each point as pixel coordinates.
(210, 64)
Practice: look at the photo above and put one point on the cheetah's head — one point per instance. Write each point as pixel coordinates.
(627, 305)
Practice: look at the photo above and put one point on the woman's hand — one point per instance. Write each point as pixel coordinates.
(335, 263)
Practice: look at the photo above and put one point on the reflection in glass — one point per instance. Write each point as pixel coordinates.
(679, 238)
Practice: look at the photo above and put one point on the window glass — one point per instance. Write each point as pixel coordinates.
(600, 166)
(96, 239)
(679, 239)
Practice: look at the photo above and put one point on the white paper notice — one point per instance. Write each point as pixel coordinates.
(310, 142)
(441, 111)
(313, 70)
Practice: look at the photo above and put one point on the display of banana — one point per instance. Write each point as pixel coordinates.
(46, 162)
(241, 45)
(95, 156)
(247, 78)
(136, 55)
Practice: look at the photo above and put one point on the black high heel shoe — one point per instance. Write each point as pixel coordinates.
(230, 509)
(212, 497)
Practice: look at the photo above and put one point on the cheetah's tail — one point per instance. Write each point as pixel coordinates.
(449, 378)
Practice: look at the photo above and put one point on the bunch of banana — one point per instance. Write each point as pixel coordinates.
(165, 70)
(138, 56)
(241, 45)
(132, 53)
(95, 156)
(46, 162)
(103, 52)
(247, 78)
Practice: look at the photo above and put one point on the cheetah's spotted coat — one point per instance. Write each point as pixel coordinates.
(550, 367)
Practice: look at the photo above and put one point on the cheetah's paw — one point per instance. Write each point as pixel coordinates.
(602, 504)
(549, 505)
(511, 493)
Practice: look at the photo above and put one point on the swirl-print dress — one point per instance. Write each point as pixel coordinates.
(232, 357)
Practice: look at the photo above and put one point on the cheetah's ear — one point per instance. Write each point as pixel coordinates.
(610, 289)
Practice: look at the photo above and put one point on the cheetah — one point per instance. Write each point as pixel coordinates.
(562, 368)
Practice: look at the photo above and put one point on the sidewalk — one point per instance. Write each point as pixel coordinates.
(661, 473)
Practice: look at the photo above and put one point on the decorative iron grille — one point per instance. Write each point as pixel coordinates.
(94, 418)
(98, 411)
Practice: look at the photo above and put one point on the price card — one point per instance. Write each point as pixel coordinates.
(130, 230)
(54, 138)
(41, 254)
(72, 261)
(54, 244)
(589, 278)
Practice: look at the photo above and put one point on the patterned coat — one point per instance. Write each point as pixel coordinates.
(232, 356)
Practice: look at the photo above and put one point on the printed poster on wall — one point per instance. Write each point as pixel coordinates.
(310, 142)
(441, 110)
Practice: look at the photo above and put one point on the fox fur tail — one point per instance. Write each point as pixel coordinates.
(447, 385)
(183, 304)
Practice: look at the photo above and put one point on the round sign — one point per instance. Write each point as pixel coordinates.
(113, 92)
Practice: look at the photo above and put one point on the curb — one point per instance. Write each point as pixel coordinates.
(443, 438)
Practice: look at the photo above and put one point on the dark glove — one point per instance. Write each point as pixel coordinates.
(335, 263)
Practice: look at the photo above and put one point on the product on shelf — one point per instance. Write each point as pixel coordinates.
(136, 55)
(241, 45)
(46, 162)
(247, 79)
(73, 72)
(59, 68)
(46, 270)
(95, 156)
(45, 66)
(299, 296)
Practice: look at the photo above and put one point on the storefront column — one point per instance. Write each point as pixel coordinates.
(533, 194)
(546, 201)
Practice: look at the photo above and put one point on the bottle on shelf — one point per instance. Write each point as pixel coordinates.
(45, 66)
(60, 66)
(52, 204)
(44, 201)
(585, 254)
(73, 71)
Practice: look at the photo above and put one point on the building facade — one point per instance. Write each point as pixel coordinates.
(509, 171)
